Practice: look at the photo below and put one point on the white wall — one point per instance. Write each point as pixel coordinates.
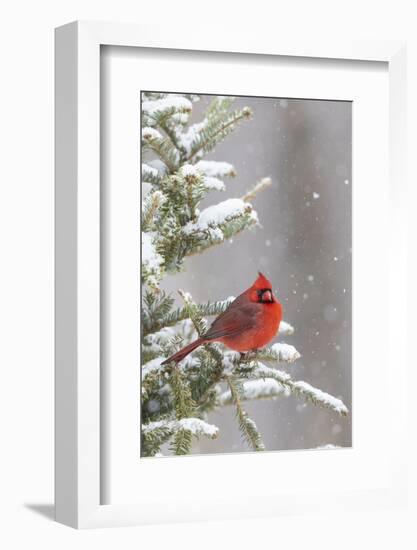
(26, 232)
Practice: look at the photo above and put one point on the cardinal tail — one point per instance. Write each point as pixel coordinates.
(179, 356)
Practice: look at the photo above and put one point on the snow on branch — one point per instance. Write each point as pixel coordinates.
(319, 397)
(198, 427)
(149, 172)
(223, 212)
(193, 174)
(256, 389)
(315, 395)
(278, 353)
(216, 169)
(213, 183)
(262, 371)
(195, 426)
(171, 105)
(152, 366)
(149, 133)
(284, 352)
(159, 338)
(186, 139)
(151, 260)
(213, 217)
(286, 329)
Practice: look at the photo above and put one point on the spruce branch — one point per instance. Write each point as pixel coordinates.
(150, 206)
(260, 186)
(157, 111)
(184, 407)
(174, 317)
(257, 370)
(198, 320)
(247, 425)
(150, 175)
(184, 404)
(162, 147)
(149, 134)
(319, 397)
(174, 137)
(256, 389)
(154, 309)
(181, 444)
(152, 261)
(218, 223)
(278, 353)
(216, 129)
(201, 241)
(219, 106)
(155, 434)
(211, 366)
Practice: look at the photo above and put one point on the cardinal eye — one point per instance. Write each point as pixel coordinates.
(262, 297)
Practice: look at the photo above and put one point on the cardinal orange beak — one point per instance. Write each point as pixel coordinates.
(267, 296)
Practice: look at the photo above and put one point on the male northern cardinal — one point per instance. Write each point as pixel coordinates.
(249, 323)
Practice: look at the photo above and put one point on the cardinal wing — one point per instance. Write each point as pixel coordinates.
(238, 318)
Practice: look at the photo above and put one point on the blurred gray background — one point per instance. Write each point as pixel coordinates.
(303, 246)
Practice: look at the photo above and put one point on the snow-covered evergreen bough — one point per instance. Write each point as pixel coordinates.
(177, 398)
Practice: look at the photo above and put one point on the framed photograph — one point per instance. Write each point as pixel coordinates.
(228, 220)
(304, 239)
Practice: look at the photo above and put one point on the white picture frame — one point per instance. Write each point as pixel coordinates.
(77, 499)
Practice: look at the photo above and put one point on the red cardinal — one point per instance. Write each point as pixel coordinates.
(249, 323)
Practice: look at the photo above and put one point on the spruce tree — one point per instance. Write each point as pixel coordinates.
(175, 400)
